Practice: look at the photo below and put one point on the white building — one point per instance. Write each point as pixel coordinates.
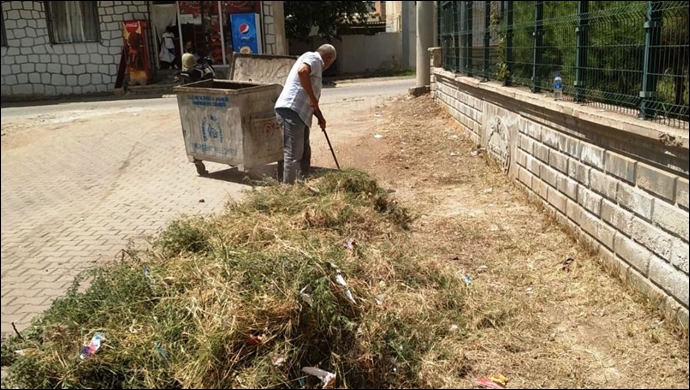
(402, 16)
(74, 47)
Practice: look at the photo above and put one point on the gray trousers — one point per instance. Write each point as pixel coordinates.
(296, 148)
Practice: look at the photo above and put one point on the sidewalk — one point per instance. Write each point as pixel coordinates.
(363, 79)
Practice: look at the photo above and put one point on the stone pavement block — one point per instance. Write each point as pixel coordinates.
(6, 300)
(34, 300)
(21, 321)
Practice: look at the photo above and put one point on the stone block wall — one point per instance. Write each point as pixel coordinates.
(619, 183)
(275, 40)
(31, 65)
(269, 28)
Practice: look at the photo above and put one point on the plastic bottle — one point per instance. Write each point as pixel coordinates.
(558, 87)
(93, 346)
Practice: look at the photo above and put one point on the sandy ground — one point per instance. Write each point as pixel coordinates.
(536, 324)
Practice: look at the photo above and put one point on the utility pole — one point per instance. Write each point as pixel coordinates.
(405, 28)
(425, 37)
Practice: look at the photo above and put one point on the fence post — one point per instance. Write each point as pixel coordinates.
(468, 38)
(582, 43)
(652, 39)
(509, 43)
(538, 43)
(439, 7)
(456, 36)
(487, 39)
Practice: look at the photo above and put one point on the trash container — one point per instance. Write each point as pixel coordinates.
(230, 122)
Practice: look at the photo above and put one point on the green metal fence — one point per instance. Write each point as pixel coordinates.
(627, 56)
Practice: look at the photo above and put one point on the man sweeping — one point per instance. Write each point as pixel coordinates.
(295, 107)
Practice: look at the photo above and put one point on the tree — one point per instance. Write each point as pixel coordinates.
(301, 16)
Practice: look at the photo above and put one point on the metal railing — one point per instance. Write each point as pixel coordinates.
(626, 56)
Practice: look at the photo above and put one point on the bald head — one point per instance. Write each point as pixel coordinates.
(328, 54)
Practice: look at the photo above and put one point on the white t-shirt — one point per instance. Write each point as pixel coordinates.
(294, 96)
(168, 38)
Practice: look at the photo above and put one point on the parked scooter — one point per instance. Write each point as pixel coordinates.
(203, 71)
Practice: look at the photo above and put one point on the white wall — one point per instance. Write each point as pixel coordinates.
(362, 53)
(359, 53)
(31, 65)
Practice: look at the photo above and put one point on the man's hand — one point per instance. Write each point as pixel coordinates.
(320, 118)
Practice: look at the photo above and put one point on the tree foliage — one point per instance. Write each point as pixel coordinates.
(615, 50)
(301, 16)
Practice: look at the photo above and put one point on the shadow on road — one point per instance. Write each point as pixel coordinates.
(66, 99)
(258, 177)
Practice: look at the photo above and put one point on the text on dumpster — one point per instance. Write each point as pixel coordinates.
(209, 101)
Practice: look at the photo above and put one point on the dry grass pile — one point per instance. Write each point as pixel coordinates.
(248, 298)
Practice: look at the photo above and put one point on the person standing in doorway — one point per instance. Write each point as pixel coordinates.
(295, 107)
(169, 45)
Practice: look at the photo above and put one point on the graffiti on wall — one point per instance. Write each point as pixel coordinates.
(499, 141)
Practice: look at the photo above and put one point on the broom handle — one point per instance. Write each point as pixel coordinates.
(320, 118)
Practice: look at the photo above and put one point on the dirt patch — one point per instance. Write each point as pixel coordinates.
(532, 321)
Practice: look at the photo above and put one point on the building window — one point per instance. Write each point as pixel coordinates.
(3, 36)
(73, 21)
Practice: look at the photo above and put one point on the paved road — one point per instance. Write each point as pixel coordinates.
(81, 179)
(345, 91)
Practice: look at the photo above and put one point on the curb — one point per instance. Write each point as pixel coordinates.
(371, 79)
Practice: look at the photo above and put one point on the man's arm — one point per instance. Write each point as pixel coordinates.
(304, 73)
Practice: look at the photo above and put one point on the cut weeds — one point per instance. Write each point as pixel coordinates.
(216, 302)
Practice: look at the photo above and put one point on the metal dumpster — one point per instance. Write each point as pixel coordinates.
(260, 68)
(230, 122)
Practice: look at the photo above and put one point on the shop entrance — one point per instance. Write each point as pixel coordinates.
(208, 27)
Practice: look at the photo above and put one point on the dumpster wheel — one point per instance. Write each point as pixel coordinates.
(200, 168)
(280, 169)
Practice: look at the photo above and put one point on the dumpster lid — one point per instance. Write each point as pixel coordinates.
(260, 68)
